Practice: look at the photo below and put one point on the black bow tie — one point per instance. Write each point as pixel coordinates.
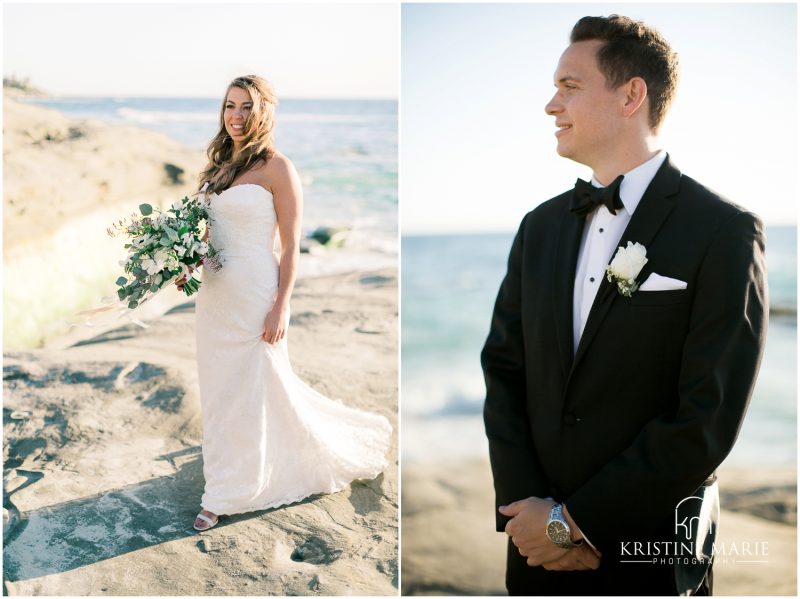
(586, 197)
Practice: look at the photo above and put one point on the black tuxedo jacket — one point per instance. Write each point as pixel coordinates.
(652, 400)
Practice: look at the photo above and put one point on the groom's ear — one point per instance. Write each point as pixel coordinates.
(635, 94)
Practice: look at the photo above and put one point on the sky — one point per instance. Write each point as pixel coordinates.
(478, 151)
(195, 49)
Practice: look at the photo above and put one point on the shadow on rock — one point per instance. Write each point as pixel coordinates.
(80, 532)
(366, 495)
(83, 531)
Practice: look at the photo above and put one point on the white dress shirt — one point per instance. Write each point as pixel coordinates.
(601, 235)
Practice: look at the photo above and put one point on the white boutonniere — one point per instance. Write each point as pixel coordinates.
(626, 266)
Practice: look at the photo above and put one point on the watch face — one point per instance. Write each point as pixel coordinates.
(558, 533)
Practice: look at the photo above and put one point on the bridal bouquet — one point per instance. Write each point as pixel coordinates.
(163, 247)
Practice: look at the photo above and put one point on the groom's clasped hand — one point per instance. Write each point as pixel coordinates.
(527, 529)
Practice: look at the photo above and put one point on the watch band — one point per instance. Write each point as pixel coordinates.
(558, 530)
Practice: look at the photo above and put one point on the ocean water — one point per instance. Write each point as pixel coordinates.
(344, 150)
(449, 284)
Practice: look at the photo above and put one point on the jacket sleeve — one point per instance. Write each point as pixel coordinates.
(672, 455)
(517, 473)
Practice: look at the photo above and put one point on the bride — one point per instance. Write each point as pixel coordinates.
(268, 438)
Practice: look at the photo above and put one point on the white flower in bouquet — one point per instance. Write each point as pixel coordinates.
(171, 261)
(199, 247)
(151, 265)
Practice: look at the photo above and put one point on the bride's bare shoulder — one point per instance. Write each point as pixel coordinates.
(278, 172)
(279, 166)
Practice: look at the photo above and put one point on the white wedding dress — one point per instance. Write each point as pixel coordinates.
(268, 438)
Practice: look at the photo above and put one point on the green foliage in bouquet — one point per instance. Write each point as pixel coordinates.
(162, 247)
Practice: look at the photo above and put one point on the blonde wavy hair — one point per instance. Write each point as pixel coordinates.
(258, 142)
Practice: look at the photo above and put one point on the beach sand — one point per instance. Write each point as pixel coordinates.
(450, 545)
(104, 471)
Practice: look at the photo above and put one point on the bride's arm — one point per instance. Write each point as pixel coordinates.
(287, 194)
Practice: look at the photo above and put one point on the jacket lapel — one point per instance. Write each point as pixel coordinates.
(564, 266)
(653, 209)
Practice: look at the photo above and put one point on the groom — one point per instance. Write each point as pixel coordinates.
(609, 403)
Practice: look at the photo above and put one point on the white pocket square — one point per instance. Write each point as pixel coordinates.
(656, 282)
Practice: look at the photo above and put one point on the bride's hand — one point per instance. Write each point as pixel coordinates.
(182, 279)
(274, 326)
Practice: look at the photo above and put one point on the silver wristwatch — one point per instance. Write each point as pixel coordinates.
(558, 530)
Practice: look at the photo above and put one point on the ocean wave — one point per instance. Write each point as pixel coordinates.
(455, 405)
(302, 117)
(459, 404)
(148, 117)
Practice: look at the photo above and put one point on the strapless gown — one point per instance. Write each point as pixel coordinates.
(268, 438)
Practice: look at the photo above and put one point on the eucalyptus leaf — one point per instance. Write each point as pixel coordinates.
(145, 209)
(171, 233)
(133, 304)
(122, 281)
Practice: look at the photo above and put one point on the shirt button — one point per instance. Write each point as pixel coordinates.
(601, 230)
(591, 279)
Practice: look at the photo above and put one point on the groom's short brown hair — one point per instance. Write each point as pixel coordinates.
(633, 49)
